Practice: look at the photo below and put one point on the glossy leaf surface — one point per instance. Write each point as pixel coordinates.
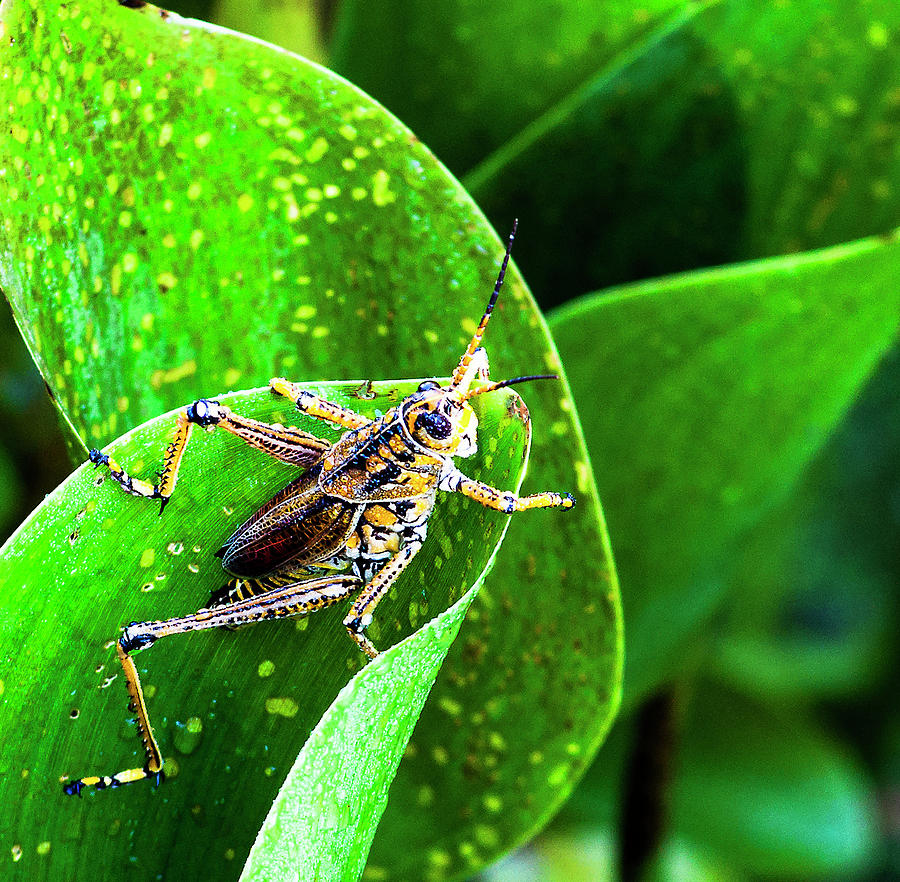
(238, 214)
(639, 140)
(230, 709)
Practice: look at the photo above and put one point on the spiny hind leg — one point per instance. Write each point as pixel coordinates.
(293, 599)
(286, 443)
(239, 589)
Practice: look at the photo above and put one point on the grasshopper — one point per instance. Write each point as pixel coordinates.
(352, 521)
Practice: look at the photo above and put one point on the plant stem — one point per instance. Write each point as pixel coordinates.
(648, 776)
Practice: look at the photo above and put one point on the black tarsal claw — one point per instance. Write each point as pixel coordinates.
(98, 458)
(163, 501)
(73, 788)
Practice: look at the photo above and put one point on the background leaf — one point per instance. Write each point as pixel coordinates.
(760, 792)
(239, 214)
(804, 809)
(231, 709)
(713, 413)
(637, 142)
(469, 77)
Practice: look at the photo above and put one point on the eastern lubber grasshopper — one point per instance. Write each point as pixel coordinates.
(352, 521)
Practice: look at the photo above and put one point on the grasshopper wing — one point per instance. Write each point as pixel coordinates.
(300, 524)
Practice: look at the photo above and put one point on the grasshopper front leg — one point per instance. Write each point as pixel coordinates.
(360, 616)
(454, 481)
(315, 406)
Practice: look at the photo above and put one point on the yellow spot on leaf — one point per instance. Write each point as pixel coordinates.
(202, 140)
(166, 281)
(381, 192)
(283, 707)
(165, 134)
(877, 35)
(173, 375)
(245, 202)
(846, 105)
(317, 150)
(148, 556)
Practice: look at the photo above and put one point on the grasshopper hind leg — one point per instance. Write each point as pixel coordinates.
(285, 597)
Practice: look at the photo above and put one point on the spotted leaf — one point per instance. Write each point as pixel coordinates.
(230, 709)
(228, 213)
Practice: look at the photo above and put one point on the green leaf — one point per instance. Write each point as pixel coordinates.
(467, 76)
(333, 245)
(813, 608)
(324, 817)
(298, 25)
(231, 709)
(771, 793)
(714, 391)
(760, 791)
(708, 142)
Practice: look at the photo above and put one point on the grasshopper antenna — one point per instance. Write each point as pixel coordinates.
(475, 342)
(502, 384)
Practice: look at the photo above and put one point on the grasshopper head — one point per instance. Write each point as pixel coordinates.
(440, 418)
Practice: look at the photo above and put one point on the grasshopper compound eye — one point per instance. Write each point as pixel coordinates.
(435, 425)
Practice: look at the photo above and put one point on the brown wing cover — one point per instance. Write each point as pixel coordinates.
(299, 524)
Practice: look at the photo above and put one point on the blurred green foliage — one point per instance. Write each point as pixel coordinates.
(637, 141)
